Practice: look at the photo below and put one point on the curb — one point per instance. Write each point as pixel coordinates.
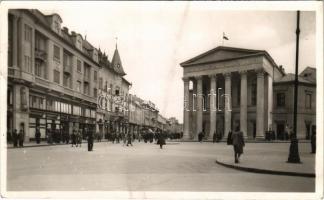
(266, 171)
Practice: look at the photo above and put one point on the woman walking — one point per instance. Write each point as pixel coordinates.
(238, 143)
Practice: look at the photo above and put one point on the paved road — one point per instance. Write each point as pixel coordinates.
(143, 167)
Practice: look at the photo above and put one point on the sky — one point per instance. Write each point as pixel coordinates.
(154, 37)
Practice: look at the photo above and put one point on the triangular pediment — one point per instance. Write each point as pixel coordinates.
(220, 53)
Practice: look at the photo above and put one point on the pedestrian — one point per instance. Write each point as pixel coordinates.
(90, 140)
(229, 138)
(73, 138)
(129, 139)
(21, 136)
(214, 137)
(313, 140)
(124, 137)
(37, 135)
(161, 140)
(15, 138)
(238, 143)
(200, 136)
(78, 138)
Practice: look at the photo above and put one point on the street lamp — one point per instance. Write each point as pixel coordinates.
(293, 150)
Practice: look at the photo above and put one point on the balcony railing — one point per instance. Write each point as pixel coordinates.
(40, 54)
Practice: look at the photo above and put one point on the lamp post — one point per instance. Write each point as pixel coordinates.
(293, 150)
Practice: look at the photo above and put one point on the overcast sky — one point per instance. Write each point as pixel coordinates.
(153, 38)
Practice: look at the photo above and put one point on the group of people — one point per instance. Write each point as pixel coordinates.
(18, 138)
(76, 138)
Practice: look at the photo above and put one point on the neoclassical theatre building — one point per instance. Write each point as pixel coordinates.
(230, 87)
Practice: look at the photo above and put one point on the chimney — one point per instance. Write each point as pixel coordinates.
(73, 33)
(66, 30)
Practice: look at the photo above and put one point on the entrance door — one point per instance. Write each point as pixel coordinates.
(308, 126)
(280, 131)
(254, 129)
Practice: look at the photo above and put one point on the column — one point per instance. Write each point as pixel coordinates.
(14, 41)
(260, 104)
(227, 112)
(270, 102)
(212, 105)
(199, 105)
(243, 106)
(186, 109)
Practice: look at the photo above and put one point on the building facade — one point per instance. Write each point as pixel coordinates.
(53, 76)
(228, 88)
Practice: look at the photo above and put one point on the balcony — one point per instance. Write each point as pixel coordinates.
(86, 78)
(67, 69)
(40, 54)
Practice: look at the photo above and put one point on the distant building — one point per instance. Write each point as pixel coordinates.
(227, 87)
(283, 111)
(173, 125)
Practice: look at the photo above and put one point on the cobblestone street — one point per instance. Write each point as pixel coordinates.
(185, 166)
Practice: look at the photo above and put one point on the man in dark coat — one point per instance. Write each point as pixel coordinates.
(21, 136)
(37, 135)
(90, 140)
(238, 143)
(161, 140)
(15, 138)
(200, 136)
(73, 138)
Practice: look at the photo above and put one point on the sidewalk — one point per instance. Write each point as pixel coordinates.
(269, 158)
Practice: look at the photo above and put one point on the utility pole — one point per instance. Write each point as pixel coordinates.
(293, 150)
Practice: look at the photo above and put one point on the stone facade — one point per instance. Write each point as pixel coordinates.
(53, 76)
(228, 88)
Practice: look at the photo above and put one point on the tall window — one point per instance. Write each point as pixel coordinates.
(38, 68)
(78, 65)
(253, 93)
(95, 92)
(27, 62)
(95, 76)
(100, 83)
(28, 33)
(308, 100)
(86, 88)
(56, 53)
(56, 76)
(66, 80)
(281, 99)
(78, 86)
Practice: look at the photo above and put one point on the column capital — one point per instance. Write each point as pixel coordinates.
(260, 72)
(199, 77)
(227, 74)
(185, 79)
(212, 76)
(243, 72)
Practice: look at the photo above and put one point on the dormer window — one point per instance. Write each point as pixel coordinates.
(79, 43)
(57, 27)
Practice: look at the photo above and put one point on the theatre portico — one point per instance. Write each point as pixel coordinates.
(228, 87)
